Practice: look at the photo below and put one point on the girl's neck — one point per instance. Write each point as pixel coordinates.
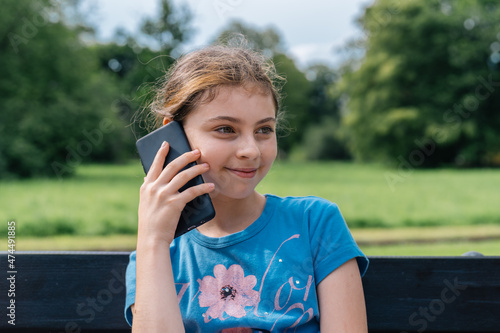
(233, 215)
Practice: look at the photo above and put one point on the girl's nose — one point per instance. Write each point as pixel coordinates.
(248, 148)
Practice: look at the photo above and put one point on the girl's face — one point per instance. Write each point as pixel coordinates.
(236, 134)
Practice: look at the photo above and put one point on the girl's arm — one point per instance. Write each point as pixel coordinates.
(341, 300)
(156, 307)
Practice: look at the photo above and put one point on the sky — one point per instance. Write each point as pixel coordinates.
(311, 29)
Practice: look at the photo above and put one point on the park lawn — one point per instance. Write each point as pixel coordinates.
(98, 200)
(101, 200)
(455, 248)
(429, 241)
(368, 199)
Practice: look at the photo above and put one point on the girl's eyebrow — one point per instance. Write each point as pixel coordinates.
(265, 120)
(238, 121)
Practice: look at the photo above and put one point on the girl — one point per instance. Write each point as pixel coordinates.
(264, 263)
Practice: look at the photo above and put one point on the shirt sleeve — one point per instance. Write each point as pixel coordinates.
(331, 241)
(130, 287)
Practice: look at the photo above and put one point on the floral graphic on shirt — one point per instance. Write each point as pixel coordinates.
(229, 291)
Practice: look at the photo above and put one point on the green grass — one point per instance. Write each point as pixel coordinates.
(77, 243)
(101, 200)
(424, 198)
(422, 241)
(487, 248)
(429, 241)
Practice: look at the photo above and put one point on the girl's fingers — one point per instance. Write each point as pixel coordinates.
(195, 191)
(175, 167)
(161, 203)
(157, 165)
(185, 176)
(167, 182)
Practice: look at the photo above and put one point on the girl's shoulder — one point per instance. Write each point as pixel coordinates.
(311, 210)
(305, 203)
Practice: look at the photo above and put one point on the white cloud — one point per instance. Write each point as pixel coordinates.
(307, 53)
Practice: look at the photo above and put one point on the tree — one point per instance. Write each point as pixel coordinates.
(427, 89)
(266, 40)
(137, 68)
(324, 138)
(134, 71)
(170, 28)
(323, 102)
(56, 107)
(296, 93)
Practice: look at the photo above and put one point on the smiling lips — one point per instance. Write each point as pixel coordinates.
(244, 172)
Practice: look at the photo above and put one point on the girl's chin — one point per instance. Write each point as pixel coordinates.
(231, 194)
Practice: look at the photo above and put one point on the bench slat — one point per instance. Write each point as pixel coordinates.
(84, 292)
(450, 294)
(69, 292)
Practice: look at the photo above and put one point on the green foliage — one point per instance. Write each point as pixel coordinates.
(430, 74)
(322, 102)
(295, 102)
(324, 141)
(267, 40)
(57, 109)
(137, 69)
(324, 138)
(66, 101)
(170, 28)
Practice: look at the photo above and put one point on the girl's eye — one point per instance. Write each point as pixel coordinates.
(266, 130)
(224, 130)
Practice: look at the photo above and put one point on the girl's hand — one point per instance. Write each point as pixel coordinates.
(161, 203)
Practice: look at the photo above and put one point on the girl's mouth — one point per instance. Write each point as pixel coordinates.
(243, 172)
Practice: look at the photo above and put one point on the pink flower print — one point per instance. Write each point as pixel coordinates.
(230, 292)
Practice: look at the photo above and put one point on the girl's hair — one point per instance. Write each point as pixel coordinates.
(195, 78)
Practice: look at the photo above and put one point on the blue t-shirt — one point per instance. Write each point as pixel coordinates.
(263, 278)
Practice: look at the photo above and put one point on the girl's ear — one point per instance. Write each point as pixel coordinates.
(166, 120)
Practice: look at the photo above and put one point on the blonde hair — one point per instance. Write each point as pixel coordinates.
(195, 78)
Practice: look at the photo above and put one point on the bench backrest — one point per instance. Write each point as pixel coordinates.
(85, 292)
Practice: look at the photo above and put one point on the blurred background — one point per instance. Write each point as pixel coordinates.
(393, 109)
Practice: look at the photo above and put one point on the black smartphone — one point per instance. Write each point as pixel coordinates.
(197, 211)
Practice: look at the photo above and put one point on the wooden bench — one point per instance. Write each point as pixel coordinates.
(85, 292)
